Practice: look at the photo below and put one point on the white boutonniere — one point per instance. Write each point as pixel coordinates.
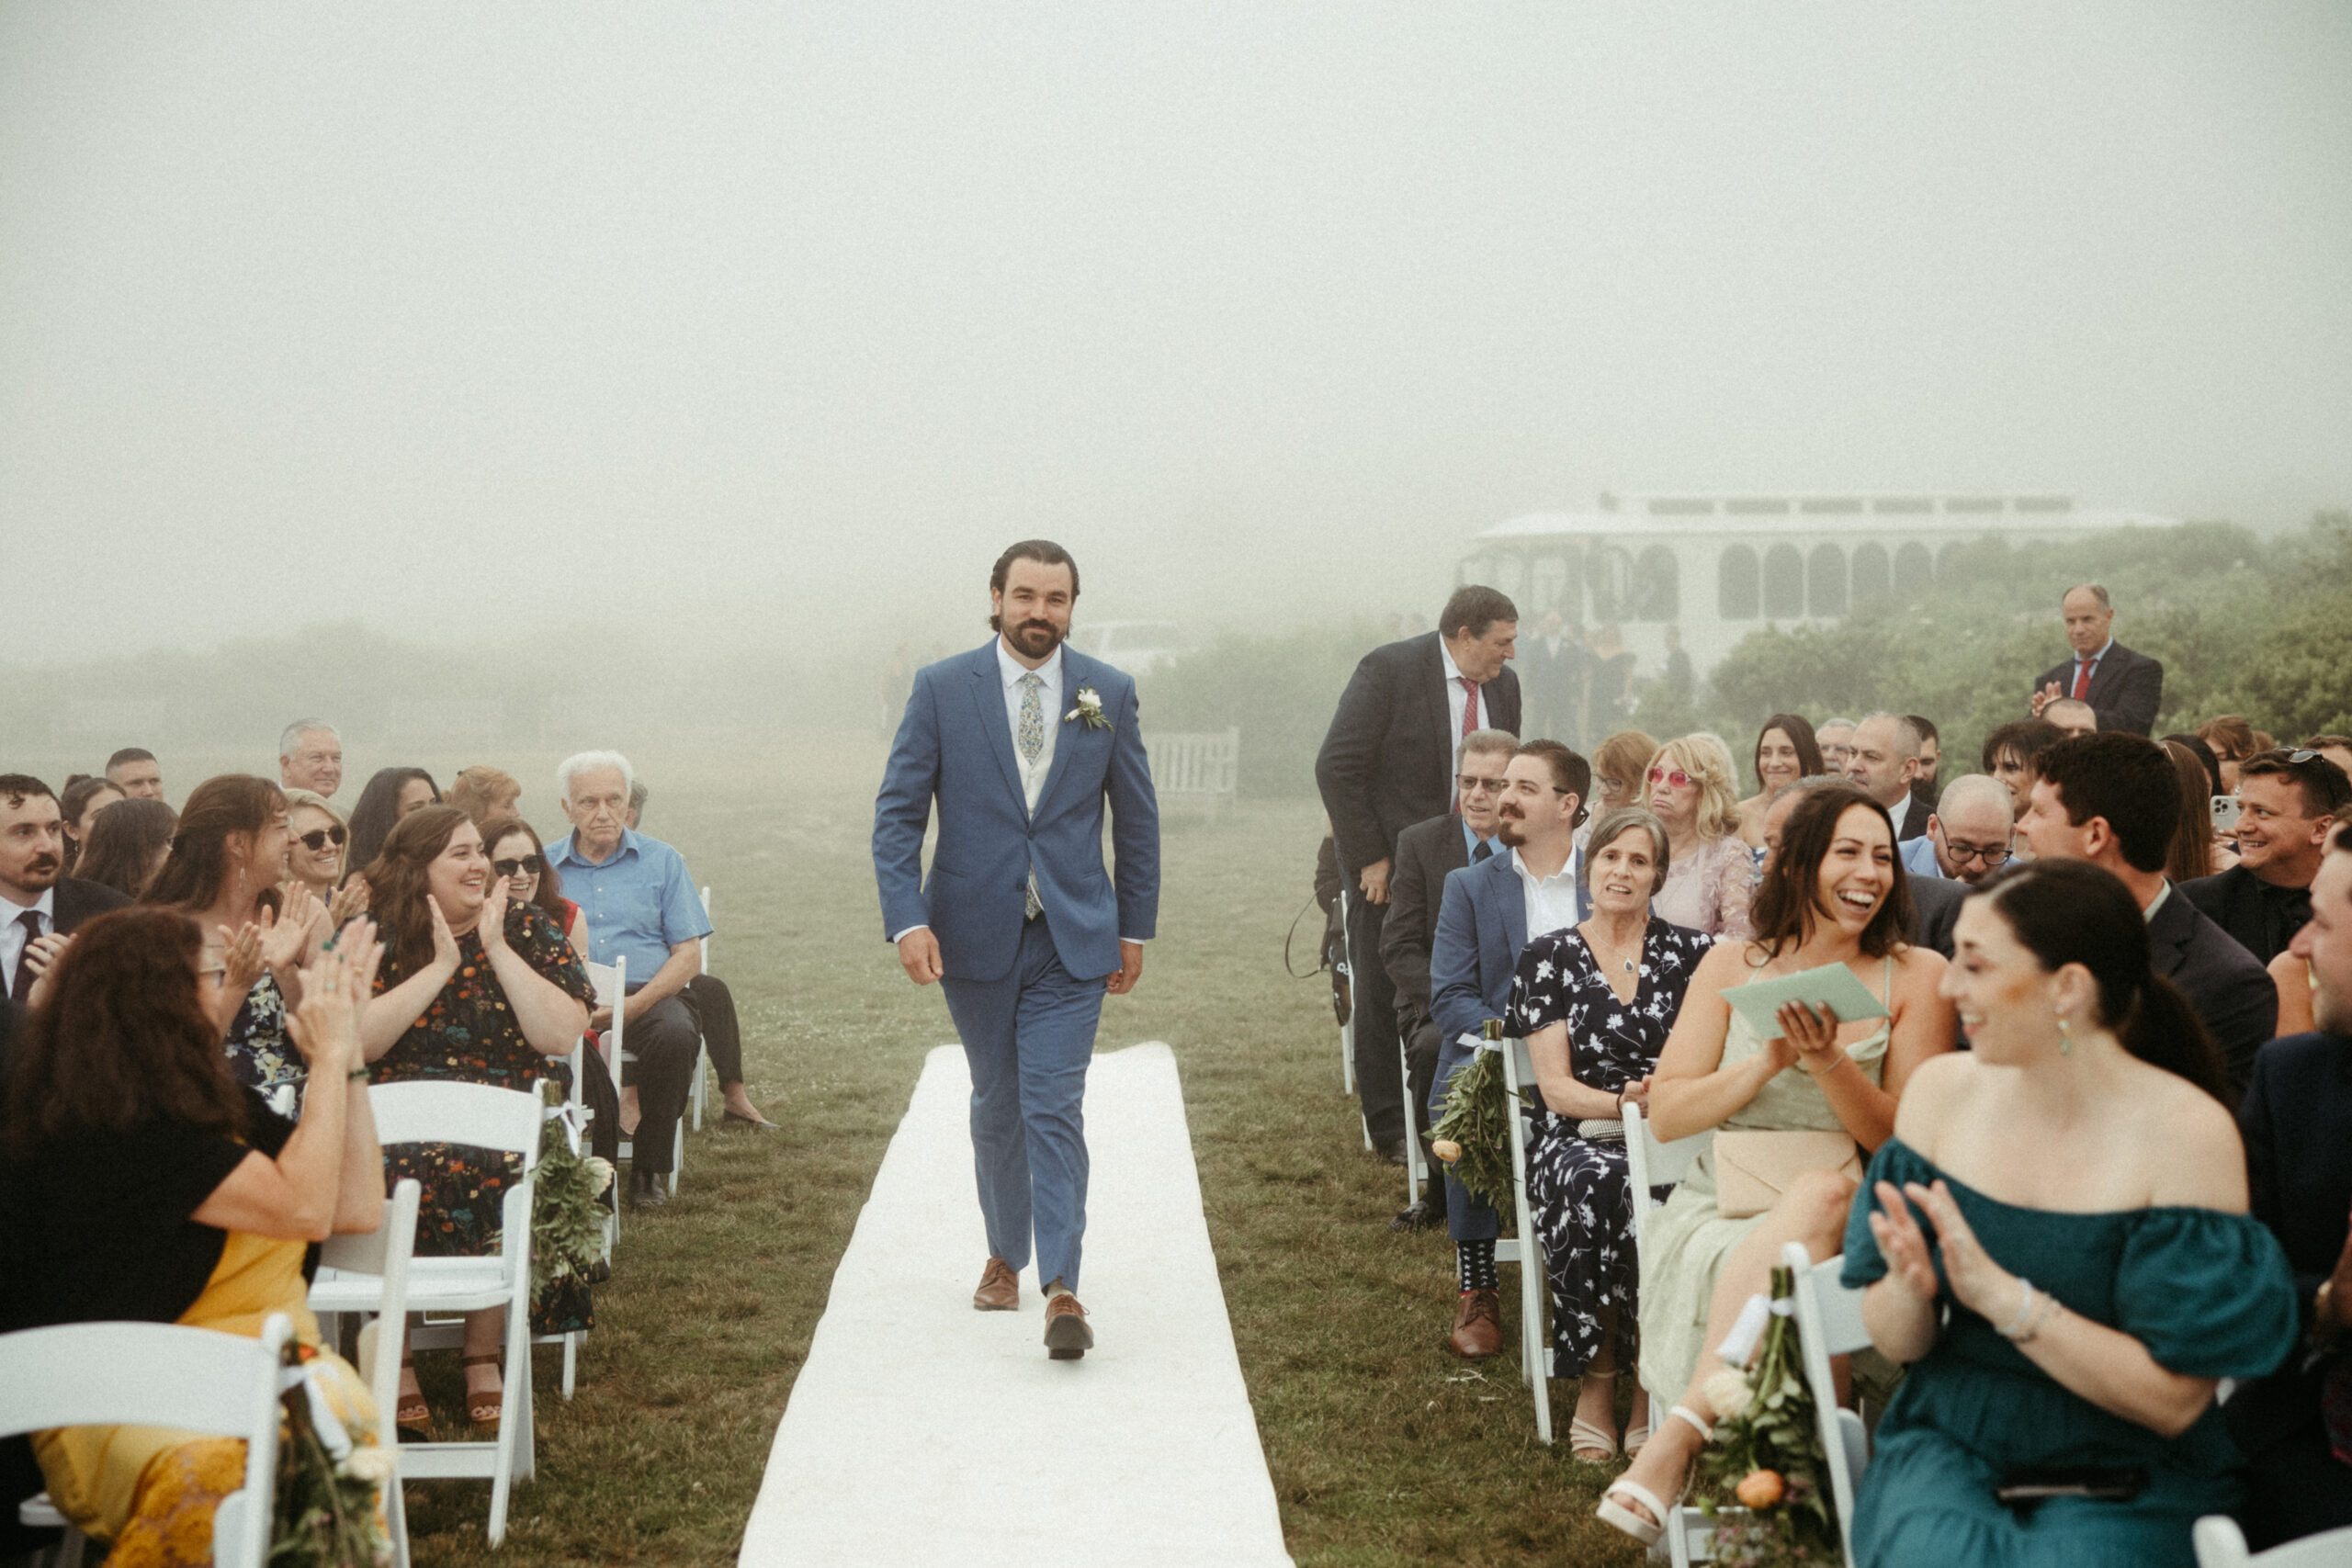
(1089, 708)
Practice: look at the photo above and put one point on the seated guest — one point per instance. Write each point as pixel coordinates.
(2123, 687)
(1618, 764)
(518, 858)
(2114, 800)
(1426, 853)
(226, 861)
(2289, 804)
(641, 906)
(2293, 979)
(39, 904)
(1837, 895)
(1836, 738)
(83, 799)
(2194, 846)
(2232, 739)
(1594, 1003)
(316, 834)
(2296, 1119)
(1484, 917)
(128, 845)
(713, 1006)
(2056, 1243)
(1969, 829)
(484, 794)
(1785, 752)
(2071, 716)
(1689, 786)
(1884, 764)
(1935, 900)
(475, 988)
(309, 756)
(134, 770)
(2336, 749)
(139, 1182)
(2010, 753)
(391, 794)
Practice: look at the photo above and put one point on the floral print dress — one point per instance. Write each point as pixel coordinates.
(261, 1054)
(1577, 1186)
(470, 1033)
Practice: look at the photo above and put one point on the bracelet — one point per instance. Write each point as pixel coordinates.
(2014, 1333)
(355, 1073)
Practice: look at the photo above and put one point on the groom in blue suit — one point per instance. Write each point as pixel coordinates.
(1021, 743)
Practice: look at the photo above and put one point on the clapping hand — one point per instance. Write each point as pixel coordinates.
(2045, 697)
(285, 930)
(1976, 1279)
(349, 901)
(325, 1025)
(492, 926)
(241, 959)
(444, 941)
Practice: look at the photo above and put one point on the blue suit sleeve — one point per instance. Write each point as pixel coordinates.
(1135, 825)
(1456, 1001)
(902, 811)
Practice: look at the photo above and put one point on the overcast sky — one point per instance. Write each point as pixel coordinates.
(767, 318)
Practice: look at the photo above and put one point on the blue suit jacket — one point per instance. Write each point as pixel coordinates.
(955, 746)
(1481, 927)
(1919, 856)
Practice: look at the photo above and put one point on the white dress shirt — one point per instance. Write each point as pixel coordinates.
(1049, 698)
(1900, 811)
(1551, 900)
(13, 937)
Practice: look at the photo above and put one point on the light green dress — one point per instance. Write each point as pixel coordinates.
(1686, 1242)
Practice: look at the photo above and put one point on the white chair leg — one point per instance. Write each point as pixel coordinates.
(702, 1082)
(571, 1362)
(396, 1519)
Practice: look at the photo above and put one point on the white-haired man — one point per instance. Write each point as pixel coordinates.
(641, 906)
(309, 756)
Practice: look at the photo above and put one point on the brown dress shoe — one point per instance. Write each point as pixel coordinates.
(1479, 1325)
(999, 1287)
(1066, 1335)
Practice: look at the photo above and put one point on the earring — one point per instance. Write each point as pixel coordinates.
(2065, 1041)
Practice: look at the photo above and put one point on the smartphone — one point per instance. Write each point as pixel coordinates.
(2225, 814)
(2033, 1484)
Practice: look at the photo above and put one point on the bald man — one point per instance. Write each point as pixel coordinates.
(2123, 688)
(1970, 828)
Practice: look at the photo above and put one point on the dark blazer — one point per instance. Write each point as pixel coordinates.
(1425, 851)
(76, 904)
(2230, 990)
(1935, 905)
(2297, 1122)
(2126, 688)
(2240, 903)
(1481, 927)
(1388, 760)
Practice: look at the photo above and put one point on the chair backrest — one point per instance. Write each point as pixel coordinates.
(159, 1375)
(438, 1111)
(385, 1252)
(1829, 1322)
(2221, 1544)
(611, 981)
(1650, 1163)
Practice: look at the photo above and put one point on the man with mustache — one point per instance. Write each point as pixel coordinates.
(40, 905)
(1023, 743)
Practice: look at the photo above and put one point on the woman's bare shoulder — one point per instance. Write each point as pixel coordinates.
(1938, 1091)
(2196, 1157)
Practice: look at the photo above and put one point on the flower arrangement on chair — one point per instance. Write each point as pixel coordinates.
(1764, 1479)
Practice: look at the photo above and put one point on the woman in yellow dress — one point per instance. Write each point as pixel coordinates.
(140, 1182)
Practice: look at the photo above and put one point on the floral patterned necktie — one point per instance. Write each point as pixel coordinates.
(1030, 735)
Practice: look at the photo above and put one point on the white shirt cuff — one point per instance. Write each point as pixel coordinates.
(902, 935)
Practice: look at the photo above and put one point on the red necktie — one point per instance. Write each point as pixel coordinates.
(2082, 678)
(1469, 708)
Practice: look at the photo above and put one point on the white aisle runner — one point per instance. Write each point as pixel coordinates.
(923, 1432)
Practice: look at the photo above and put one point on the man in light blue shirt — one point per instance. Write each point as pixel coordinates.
(641, 906)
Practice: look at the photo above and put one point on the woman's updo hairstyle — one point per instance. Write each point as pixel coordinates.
(2070, 911)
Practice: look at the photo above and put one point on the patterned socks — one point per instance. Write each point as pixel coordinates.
(1477, 1258)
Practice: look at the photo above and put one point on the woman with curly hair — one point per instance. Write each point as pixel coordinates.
(1711, 874)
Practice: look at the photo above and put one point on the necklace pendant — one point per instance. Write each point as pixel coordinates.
(1629, 967)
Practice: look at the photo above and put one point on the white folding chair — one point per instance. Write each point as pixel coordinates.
(702, 1053)
(346, 1265)
(572, 1339)
(503, 1119)
(1829, 1322)
(1417, 1171)
(2221, 1544)
(1348, 1030)
(157, 1374)
(1527, 1249)
(612, 984)
(1652, 1163)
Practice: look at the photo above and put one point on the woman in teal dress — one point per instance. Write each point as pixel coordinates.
(2056, 1242)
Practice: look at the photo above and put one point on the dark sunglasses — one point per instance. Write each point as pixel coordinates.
(532, 863)
(318, 839)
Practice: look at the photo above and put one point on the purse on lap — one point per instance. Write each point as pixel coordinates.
(1754, 1169)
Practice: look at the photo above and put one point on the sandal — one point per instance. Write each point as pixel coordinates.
(412, 1413)
(1646, 1531)
(484, 1409)
(1592, 1444)
(1635, 1436)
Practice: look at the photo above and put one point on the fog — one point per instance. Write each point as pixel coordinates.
(730, 326)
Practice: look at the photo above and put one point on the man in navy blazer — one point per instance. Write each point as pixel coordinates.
(1021, 743)
(1488, 912)
(2123, 688)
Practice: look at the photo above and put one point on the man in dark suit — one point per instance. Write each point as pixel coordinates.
(1884, 764)
(39, 905)
(2114, 800)
(2123, 688)
(1426, 852)
(1488, 913)
(2297, 1122)
(2289, 804)
(1388, 762)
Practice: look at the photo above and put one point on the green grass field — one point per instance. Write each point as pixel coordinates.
(1382, 1447)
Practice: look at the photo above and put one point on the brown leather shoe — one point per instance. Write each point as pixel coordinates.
(1479, 1325)
(1066, 1335)
(999, 1287)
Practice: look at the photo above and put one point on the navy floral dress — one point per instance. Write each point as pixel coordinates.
(261, 1054)
(1577, 1186)
(470, 1033)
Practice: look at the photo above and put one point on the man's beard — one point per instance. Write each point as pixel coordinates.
(1033, 639)
(44, 870)
(1511, 831)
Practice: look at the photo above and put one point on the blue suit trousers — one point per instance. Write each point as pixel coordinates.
(1467, 1218)
(1029, 1037)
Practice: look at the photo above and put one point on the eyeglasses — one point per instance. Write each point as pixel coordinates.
(1674, 777)
(318, 839)
(1473, 784)
(1991, 854)
(532, 863)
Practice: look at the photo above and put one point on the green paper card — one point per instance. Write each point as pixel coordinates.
(1833, 986)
